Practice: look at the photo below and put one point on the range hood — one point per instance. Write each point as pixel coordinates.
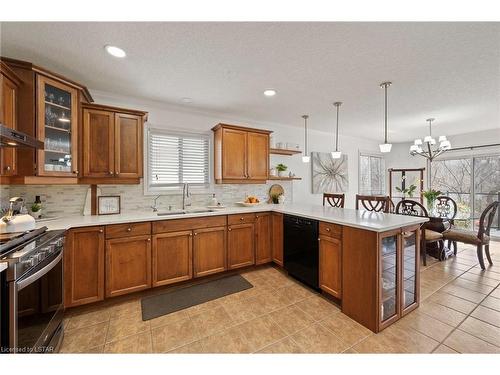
(13, 138)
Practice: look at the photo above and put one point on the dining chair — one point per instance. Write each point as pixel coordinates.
(334, 200)
(481, 238)
(376, 203)
(446, 209)
(413, 208)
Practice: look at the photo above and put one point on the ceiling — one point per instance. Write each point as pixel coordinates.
(450, 71)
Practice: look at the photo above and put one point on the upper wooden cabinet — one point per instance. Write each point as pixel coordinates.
(9, 85)
(57, 127)
(48, 107)
(112, 142)
(241, 154)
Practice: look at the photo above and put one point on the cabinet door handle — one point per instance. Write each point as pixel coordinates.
(110, 173)
(319, 239)
(101, 231)
(242, 218)
(129, 229)
(7, 168)
(190, 234)
(229, 229)
(328, 229)
(149, 240)
(75, 172)
(195, 233)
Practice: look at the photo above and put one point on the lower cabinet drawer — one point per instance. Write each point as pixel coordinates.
(240, 219)
(127, 230)
(175, 225)
(329, 229)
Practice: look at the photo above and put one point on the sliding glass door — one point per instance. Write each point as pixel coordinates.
(473, 182)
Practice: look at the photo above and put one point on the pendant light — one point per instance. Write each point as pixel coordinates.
(305, 158)
(386, 146)
(336, 154)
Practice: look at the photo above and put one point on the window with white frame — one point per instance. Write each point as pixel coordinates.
(176, 158)
(371, 174)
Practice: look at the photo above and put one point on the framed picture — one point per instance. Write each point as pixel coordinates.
(108, 205)
(329, 175)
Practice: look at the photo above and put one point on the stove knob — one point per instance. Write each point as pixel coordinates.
(30, 262)
(50, 248)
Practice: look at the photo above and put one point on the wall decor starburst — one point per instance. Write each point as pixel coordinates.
(329, 175)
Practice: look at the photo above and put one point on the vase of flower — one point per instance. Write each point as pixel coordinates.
(430, 196)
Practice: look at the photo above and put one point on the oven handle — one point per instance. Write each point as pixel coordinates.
(25, 282)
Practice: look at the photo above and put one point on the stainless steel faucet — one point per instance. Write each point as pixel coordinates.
(185, 195)
(155, 204)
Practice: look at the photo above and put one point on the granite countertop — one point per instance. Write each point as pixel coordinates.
(377, 222)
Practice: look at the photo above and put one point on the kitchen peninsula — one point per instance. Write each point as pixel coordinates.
(368, 262)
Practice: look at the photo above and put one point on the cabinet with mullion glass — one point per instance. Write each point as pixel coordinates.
(57, 106)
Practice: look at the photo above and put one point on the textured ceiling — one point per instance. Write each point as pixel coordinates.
(450, 71)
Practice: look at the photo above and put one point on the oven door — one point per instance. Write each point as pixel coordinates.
(37, 307)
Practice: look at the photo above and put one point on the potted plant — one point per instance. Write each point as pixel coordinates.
(36, 210)
(410, 190)
(281, 168)
(431, 195)
(275, 198)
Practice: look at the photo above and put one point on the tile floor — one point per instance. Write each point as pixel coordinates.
(459, 313)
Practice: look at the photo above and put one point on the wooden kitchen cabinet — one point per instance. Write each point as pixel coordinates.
(277, 237)
(172, 257)
(57, 127)
(241, 154)
(209, 251)
(330, 265)
(9, 85)
(84, 266)
(240, 245)
(380, 287)
(112, 145)
(128, 265)
(263, 253)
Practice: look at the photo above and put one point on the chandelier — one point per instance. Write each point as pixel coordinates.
(427, 148)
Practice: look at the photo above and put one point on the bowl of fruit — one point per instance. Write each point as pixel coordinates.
(250, 201)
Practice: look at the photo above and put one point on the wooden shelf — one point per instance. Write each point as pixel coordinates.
(58, 105)
(282, 151)
(56, 128)
(283, 178)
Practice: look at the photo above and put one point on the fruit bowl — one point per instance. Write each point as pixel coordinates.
(246, 204)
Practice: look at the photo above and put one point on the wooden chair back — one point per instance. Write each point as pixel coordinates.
(334, 200)
(486, 219)
(411, 208)
(446, 207)
(375, 203)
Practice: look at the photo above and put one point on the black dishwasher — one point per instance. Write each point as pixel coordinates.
(301, 249)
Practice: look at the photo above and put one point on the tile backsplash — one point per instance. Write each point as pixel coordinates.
(69, 200)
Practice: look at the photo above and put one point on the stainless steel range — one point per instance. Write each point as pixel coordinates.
(32, 292)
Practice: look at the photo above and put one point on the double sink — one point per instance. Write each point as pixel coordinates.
(184, 212)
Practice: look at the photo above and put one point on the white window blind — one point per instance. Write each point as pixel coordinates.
(176, 158)
(371, 174)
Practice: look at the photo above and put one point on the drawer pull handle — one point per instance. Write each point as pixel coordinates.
(328, 229)
(149, 239)
(242, 218)
(129, 229)
(101, 231)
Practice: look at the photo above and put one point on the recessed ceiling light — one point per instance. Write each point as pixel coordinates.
(269, 92)
(186, 100)
(115, 51)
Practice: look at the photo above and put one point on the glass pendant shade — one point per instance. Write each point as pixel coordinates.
(336, 154)
(306, 159)
(445, 145)
(418, 142)
(442, 138)
(428, 139)
(414, 148)
(385, 147)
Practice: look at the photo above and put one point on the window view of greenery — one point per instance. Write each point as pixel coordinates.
(473, 182)
(372, 175)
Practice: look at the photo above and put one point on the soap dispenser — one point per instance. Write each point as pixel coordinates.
(213, 201)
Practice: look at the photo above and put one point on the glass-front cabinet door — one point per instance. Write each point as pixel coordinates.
(410, 269)
(57, 128)
(389, 278)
